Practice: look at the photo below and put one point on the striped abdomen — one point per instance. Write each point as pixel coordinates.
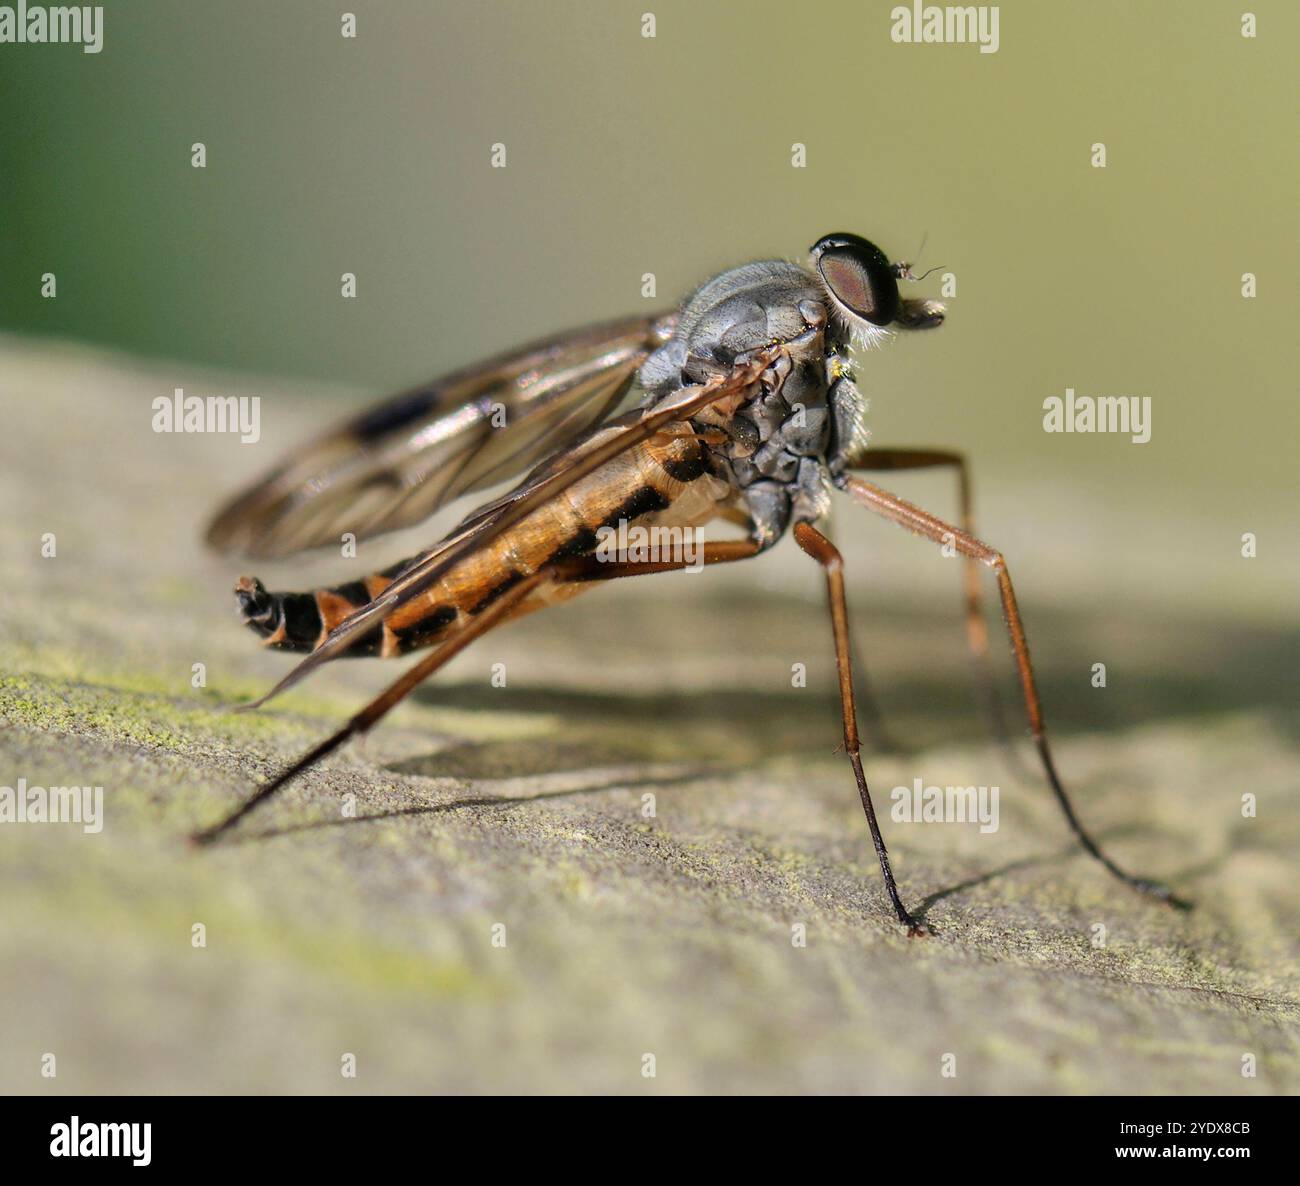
(663, 477)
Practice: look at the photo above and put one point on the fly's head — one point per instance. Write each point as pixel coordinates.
(861, 288)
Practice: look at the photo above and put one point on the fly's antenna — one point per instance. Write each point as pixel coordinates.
(903, 270)
(922, 276)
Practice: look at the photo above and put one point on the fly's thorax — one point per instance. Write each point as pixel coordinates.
(779, 444)
(786, 420)
(780, 447)
(736, 313)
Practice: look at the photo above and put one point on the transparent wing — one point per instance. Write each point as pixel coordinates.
(552, 477)
(399, 461)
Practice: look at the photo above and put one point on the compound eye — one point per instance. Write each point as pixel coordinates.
(863, 281)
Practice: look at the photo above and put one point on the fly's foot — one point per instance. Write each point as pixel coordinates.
(1144, 885)
(915, 930)
(1160, 892)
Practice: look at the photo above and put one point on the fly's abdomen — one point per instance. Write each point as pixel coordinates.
(301, 621)
(649, 480)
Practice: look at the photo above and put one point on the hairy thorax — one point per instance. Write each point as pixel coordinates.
(783, 446)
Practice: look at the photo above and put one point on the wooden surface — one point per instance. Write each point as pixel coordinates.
(525, 808)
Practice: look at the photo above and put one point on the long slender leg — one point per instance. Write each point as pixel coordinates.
(583, 568)
(977, 634)
(876, 731)
(924, 524)
(382, 703)
(827, 555)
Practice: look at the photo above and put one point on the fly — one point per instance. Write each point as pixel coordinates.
(743, 410)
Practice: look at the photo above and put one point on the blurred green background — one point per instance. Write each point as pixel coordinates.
(672, 155)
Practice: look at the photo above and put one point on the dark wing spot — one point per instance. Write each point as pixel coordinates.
(396, 413)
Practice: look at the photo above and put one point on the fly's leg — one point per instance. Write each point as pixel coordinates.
(579, 569)
(827, 555)
(381, 704)
(977, 634)
(929, 527)
(590, 568)
(877, 733)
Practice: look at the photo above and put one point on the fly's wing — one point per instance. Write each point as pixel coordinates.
(396, 463)
(553, 476)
